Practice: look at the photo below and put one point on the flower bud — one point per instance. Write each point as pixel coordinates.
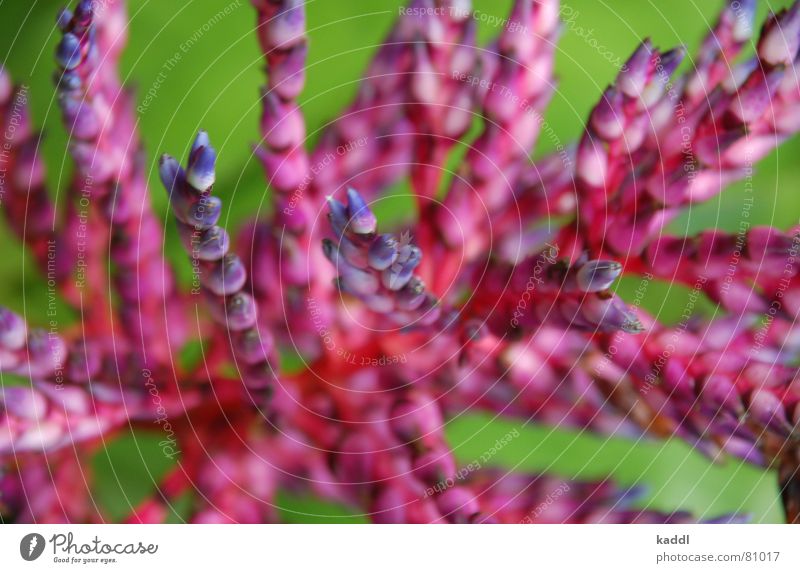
(68, 52)
(780, 37)
(200, 173)
(383, 252)
(226, 276)
(13, 332)
(596, 276)
(362, 219)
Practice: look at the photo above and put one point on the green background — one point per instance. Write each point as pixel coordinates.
(215, 87)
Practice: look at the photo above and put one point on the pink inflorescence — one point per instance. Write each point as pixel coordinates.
(498, 299)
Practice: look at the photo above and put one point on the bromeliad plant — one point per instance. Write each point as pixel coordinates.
(497, 300)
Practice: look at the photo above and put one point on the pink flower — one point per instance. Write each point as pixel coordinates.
(498, 299)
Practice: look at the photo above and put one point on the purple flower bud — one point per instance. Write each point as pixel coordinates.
(670, 61)
(288, 79)
(84, 11)
(362, 219)
(46, 352)
(331, 252)
(63, 19)
(205, 212)
(596, 276)
(13, 332)
(240, 312)
(664, 66)
(407, 252)
(465, 54)
(253, 346)
(171, 173)
(207, 245)
(755, 96)
(381, 303)
(744, 12)
(430, 311)
(80, 118)
(411, 296)
(288, 26)
(226, 276)
(200, 140)
(634, 76)
(722, 393)
(353, 254)
(24, 402)
(69, 82)
(69, 399)
(6, 85)
(398, 275)
(337, 213)
(281, 123)
(425, 84)
(200, 173)
(184, 200)
(608, 119)
(517, 40)
(68, 52)
(286, 171)
(768, 410)
(357, 281)
(383, 252)
(780, 37)
(592, 163)
(609, 315)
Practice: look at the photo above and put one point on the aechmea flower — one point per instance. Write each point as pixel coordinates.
(109, 193)
(515, 84)
(763, 259)
(499, 297)
(543, 289)
(222, 273)
(282, 34)
(47, 417)
(731, 386)
(378, 269)
(73, 397)
(734, 114)
(37, 353)
(440, 102)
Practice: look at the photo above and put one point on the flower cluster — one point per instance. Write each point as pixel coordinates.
(499, 298)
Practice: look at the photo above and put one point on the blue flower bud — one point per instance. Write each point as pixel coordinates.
(596, 276)
(337, 213)
(226, 276)
(362, 219)
(68, 52)
(383, 252)
(200, 174)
